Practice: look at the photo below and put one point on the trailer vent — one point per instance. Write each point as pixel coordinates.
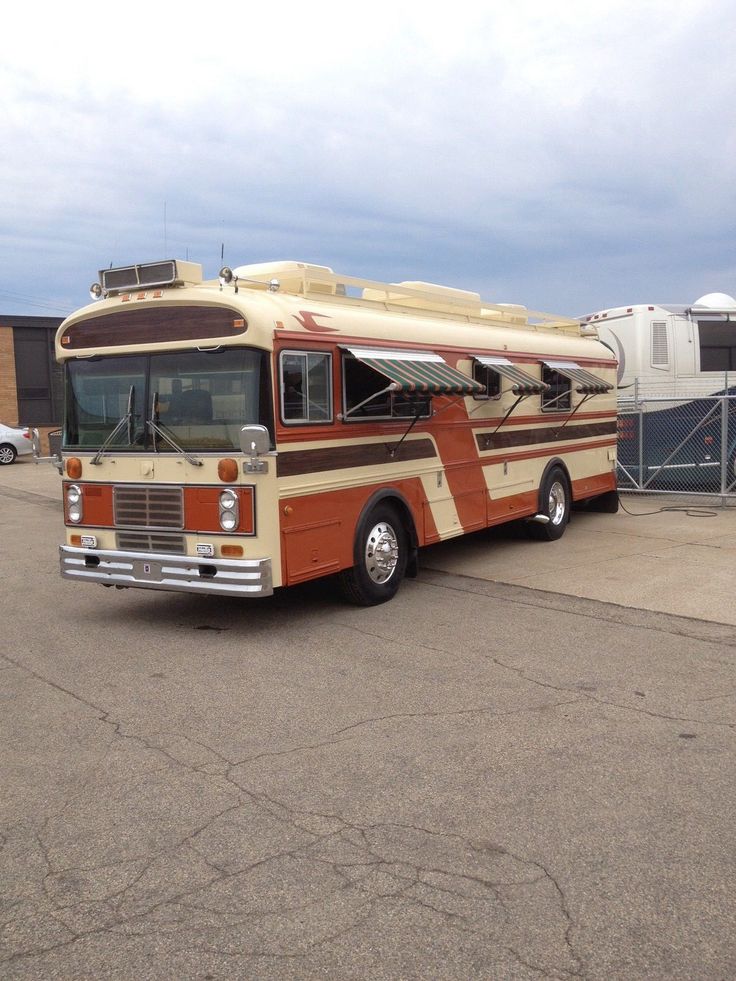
(660, 352)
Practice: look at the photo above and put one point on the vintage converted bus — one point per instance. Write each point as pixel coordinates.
(283, 423)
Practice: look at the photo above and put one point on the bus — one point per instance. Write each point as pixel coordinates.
(282, 423)
(676, 391)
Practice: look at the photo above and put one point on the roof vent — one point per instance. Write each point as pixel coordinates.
(170, 272)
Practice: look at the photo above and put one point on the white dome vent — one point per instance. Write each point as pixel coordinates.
(716, 301)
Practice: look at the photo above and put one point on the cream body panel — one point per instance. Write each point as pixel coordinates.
(175, 470)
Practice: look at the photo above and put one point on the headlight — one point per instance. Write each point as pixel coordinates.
(74, 503)
(229, 510)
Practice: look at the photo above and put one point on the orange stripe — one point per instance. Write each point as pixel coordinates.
(318, 530)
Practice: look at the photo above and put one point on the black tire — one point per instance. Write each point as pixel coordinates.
(8, 454)
(554, 500)
(380, 555)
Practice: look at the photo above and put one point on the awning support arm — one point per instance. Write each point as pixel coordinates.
(581, 402)
(389, 388)
(393, 450)
(519, 398)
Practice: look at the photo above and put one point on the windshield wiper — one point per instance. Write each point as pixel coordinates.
(126, 420)
(160, 430)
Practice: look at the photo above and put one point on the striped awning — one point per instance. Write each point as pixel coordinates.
(417, 371)
(584, 381)
(522, 383)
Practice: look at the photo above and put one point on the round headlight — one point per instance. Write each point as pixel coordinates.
(229, 510)
(228, 521)
(228, 500)
(74, 507)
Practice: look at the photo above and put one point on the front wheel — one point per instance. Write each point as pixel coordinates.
(7, 454)
(380, 555)
(554, 500)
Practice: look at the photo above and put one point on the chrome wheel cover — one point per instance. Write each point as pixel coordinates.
(557, 503)
(6, 454)
(381, 552)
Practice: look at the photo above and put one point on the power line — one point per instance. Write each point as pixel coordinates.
(44, 304)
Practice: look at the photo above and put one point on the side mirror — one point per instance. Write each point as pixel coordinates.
(54, 447)
(255, 441)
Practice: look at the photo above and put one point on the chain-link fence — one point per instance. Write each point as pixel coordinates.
(678, 445)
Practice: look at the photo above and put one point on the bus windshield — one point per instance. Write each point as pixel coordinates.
(200, 398)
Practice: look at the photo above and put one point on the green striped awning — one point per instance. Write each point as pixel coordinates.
(417, 371)
(585, 382)
(522, 383)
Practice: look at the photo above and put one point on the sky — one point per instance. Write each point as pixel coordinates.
(570, 156)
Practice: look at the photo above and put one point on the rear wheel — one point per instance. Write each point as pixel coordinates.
(8, 453)
(380, 555)
(554, 502)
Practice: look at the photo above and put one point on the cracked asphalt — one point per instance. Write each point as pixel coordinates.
(476, 780)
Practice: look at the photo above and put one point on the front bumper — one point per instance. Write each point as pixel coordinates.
(181, 573)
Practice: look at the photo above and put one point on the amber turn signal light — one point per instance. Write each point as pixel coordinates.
(235, 551)
(227, 470)
(74, 467)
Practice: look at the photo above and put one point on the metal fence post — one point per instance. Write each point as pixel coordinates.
(724, 443)
(640, 409)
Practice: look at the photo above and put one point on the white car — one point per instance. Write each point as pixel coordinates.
(13, 443)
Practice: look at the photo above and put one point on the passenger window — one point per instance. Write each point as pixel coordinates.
(487, 376)
(306, 387)
(367, 395)
(557, 397)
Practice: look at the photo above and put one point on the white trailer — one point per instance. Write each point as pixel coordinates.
(676, 392)
(667, 349)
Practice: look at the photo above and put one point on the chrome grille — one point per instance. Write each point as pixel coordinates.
(148, 506)
(141, 541)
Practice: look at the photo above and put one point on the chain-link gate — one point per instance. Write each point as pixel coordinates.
(678, 445)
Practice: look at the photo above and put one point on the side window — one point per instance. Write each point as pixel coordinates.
(367, 395)
(557, 397)
(305, 381)
(487, 376)
(717, 346)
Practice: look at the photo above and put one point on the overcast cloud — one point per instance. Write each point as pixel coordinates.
(570, 156)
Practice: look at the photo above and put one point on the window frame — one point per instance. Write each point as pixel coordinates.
(729, 349)
(560, 404)
(488, 395)
(306, 353)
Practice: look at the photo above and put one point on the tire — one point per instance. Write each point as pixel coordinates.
(8, 454)
(380, 555)
(554, 500)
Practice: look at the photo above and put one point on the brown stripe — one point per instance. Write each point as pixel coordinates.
(356, 455)
(550, 434)
(153, 324)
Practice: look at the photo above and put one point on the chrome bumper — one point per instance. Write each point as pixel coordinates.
(182, 573)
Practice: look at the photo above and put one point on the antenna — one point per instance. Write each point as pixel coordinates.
(166, 247)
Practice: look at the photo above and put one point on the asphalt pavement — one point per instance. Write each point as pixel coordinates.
(661, 553)
(493, 776)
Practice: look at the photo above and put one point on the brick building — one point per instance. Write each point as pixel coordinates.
(31, 383)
